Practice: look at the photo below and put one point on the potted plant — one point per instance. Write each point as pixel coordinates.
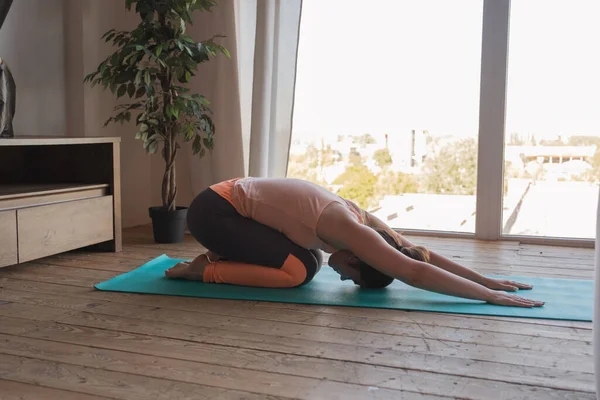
(150, 66)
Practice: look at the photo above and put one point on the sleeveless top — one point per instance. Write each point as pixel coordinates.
(290, 206)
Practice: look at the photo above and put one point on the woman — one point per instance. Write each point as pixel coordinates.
(269, 232)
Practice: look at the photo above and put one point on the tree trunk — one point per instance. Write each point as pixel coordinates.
(169, 184)
(166, 182)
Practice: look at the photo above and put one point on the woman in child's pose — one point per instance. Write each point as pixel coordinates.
(269, 232)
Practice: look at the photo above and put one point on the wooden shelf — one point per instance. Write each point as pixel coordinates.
(54, 141)
(23, 195)
(25, 190)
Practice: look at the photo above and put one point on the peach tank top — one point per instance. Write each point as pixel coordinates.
(291, 206)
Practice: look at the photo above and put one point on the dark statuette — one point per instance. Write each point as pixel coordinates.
(8, 89)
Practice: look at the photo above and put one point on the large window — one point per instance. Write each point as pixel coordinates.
(552, 150)
(386, 107)
(398, 108)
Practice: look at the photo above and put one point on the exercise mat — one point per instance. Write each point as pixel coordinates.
(566, 299)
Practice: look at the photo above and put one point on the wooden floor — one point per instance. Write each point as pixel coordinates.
(61, 339)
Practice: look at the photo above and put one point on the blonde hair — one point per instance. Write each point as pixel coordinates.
(419, 253)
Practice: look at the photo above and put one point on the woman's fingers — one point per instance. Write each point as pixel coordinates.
(506, 299)
(521, 285)
(510, 287)
(521, 303)
(530, 303)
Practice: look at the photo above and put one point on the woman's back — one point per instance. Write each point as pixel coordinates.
(291, 206)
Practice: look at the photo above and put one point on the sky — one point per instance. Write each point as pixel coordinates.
(388, 66)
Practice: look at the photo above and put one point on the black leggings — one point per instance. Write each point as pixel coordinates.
(245, 243)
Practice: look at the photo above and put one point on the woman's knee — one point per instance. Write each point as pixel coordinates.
(318, 255)
(311, 264)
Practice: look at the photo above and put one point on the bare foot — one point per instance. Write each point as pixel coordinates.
(193, 272)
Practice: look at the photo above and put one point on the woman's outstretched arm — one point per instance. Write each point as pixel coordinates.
(339, 229)
(448, 265)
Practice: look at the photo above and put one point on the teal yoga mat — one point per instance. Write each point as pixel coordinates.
(566, 299)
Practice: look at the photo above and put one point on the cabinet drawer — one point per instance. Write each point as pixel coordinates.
(8, 238)
(56, 228)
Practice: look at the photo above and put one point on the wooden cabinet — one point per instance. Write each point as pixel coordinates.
(8, 238)
(57, 195)
(54, 228)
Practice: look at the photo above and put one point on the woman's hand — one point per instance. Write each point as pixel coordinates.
(509, 286)
(507, 299)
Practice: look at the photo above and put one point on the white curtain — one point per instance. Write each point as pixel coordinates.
(252, 93)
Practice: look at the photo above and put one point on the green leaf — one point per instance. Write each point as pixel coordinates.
(139, 47)
(131, 89)
(153, 147)
(172, 111)
(196, 145)
(143, 128)
(111, 31)
(149, 17)
(114, 59)
(189, 134)
(122, 117)
(155, 137)
(202, 152)
(147, 78)
(121, 91)
(158, 50)
(188, 76)
(140, 92)
(138, 78)
(201, 99)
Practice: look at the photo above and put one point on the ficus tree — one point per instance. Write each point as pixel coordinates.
(151, 66)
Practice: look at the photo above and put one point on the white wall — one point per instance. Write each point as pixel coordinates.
(32, 45)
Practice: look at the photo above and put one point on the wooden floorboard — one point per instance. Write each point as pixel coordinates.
(11, 390)
(61, 338)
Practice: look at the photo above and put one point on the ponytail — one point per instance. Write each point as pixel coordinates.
(418, 253)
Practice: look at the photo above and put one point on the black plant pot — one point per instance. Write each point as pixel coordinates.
(168, 226)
